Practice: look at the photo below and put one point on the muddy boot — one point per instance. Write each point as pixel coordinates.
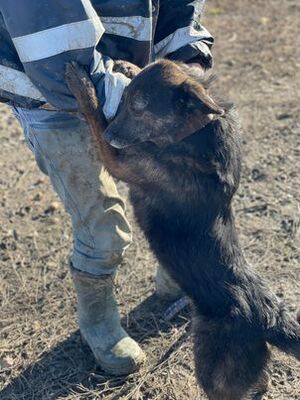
(165, 286)
(100, 326)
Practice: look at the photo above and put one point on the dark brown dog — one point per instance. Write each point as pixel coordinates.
(179, 151)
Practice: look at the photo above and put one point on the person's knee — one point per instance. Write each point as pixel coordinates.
(103, 259)
(108, 265)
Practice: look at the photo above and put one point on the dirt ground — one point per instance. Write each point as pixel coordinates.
(257, 59)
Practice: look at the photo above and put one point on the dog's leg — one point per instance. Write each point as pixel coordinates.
(84, 91)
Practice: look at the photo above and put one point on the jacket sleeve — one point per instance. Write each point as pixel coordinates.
(48, 34)
(179, 34)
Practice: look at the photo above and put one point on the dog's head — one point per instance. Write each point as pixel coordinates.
(163, 105)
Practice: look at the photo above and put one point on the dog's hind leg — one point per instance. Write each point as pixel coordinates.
(230, 359)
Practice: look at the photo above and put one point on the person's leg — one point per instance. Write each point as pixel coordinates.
(65, 151)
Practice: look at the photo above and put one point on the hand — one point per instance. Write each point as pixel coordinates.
(202, 61)
(196, 65)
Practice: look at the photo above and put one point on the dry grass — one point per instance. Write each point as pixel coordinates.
(42, 357)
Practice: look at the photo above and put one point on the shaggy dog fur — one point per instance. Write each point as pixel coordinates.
(179, 151)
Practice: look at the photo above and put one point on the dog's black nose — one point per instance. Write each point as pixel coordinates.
(108, 135)
(111, 137)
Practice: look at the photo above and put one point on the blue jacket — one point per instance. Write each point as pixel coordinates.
(37, 38)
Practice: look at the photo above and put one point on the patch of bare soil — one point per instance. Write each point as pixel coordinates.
(41, 355)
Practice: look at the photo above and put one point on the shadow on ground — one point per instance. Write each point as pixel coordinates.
(70, 365)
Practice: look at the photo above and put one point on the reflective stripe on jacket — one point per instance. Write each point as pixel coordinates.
(37, 38)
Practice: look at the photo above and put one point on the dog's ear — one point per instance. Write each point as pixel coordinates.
(198, 106)
(196, 98)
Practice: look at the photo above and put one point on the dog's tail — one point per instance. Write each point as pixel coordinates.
(285, 334)
(231, 359)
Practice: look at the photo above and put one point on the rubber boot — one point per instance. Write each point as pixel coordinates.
(165, 286)
(100, 326)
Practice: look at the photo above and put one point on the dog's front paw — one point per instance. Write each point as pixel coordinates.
(126, 68)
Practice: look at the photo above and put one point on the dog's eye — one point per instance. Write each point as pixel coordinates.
(138, 104)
